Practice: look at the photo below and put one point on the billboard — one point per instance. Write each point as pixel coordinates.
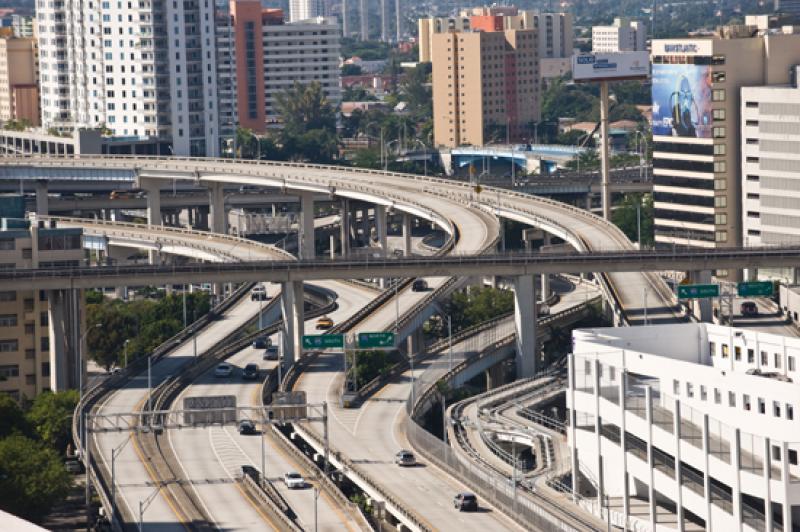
(610, 66)
(682, 100)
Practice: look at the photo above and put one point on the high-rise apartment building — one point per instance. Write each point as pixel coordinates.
(305, 9)
(19, 90)
(485, 86)
(770, 141)
(696, 128)
(624, 35)
(142, 68)
(39, 329)
(554, 32)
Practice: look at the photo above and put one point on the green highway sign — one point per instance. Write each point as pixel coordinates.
(376, 340)
(323, 341)
(755, 288)
(697, 291)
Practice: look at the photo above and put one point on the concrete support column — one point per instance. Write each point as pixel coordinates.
(796, 275)
(651, 492)
(216, 204)
(676, 429)
(605, 140)
(702, 307)
(344, 227)
(406, 234)
(332, 246)
(293, 319)
(494, 377)
(545, 276)
(381, 229)
(752, 274)
(365, 225)
(525, 324)
(305, 236)
(154, 216)
(65, 316)
(41, 198)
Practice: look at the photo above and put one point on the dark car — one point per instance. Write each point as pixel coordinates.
(247, 427)
(250, 372)
(465, 502)
(271, 353)
(262, 342)
(420, 285)
(749, 308)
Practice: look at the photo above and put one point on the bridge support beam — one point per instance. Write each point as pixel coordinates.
(702, 307)
(216, 204)
(406, 234)
(365, 226)
(604, 146)
(344, 227)
(154, 217)
(525, 325)
(305, 236)
(65, 323)
(332, 246)
(380, 229)
(293, 320)
(41, 198)
(495, 376)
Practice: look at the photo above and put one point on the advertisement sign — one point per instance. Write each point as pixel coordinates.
(682, 100)
(610, 66)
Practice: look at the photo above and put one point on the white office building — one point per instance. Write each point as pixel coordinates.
(710, 419)
(771, 168)
(303, 51)
(305, 9)
(142, 69)
(624, 35)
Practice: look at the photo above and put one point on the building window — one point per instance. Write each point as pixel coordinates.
(776, 409)
(712, 348)
(764, 359)
(719, 149)
(717, 396)
(790, 363)
(703, 393)
(720, 167)
(720, 184)
(746, 401)
(718, 114)
(718, 132)
(721, 236)
(725, 352)
(9, 370)
(751, 105)
(762, 406)
(778, 360)
(737, 353)
(45, 369)
(718, 95)
(751, 356)
(718, 77)
(8, 295)
(789, 412)
(689, 389)
(720, 219)
(676, 387)
(721, 201)
(9, 346)
(8, 320)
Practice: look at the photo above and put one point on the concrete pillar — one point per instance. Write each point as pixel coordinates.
(65, 317)
(293, 319)
(380, 229)
(332, 246)
(365, 225)
(41, 198)
(216, 204)
(203, 215)
(305, 236)
(545, 278)
(752, 274)
(495, 376)
(525, 324)
(344, 227)
(702, 307)
(796, 275)
(406, 234)
(154, 217)
(589, 201)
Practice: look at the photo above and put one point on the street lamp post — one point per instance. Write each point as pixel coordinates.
(424, 156)
(81, 363)
(125, 350)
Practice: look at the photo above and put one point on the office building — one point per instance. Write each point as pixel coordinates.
(39, 330)
(19, 90)
(788, 7)
(143, 69)
(696, 84)
(770, 146)
(20, 25)
(305, 9)
(697, 418)
(624, 35)
(554, 32)
(467, 109)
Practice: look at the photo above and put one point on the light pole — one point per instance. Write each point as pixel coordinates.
(184, 306)
(80, 366)
(450, 342)
(316, 498)
(366, 131)
(125, 351)
(386, 158)
(114, 454)
(639, 222)
(641, 147)
(424, 157)
(263, 456)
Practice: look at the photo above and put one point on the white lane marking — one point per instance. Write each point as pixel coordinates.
(188, 478)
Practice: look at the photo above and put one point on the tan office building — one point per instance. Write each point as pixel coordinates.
(696, 83)
(485, 87)
(37, 328)
(19, 92)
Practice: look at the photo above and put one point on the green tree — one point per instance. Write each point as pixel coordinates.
(32, 477)
(304, 108)
(624, 216)
(477, 305)
(51, 417)
(367, 158)
(12, 419)
(351, 70)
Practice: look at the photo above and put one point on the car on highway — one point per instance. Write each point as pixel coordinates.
(271, 353)
(324, 323)
(73, 466)
(262, 342)
(250, 372)
(223, 370)
(466, 502)
(748, 308)
(259, 293)
(294, 480)
(405, 458)
(247, 427)
(420, 285)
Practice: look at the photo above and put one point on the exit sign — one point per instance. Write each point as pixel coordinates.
(755, 288)
(313, 342)
(697, 291)
(376, 340)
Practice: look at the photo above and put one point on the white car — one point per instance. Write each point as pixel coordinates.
(223, 370)
(259, 293)
(294, 480)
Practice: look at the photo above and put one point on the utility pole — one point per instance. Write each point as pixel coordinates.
(604, 156)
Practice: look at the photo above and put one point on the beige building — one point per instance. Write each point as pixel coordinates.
(19, 93)
(697, 163)
(485, 87)
(38, 329)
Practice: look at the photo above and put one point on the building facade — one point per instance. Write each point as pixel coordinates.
(305, 9)
(19, 89)
(624, 35)
(693, 423)
(696, 128)
(770, 147)
(146, 69)
(39, 329)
